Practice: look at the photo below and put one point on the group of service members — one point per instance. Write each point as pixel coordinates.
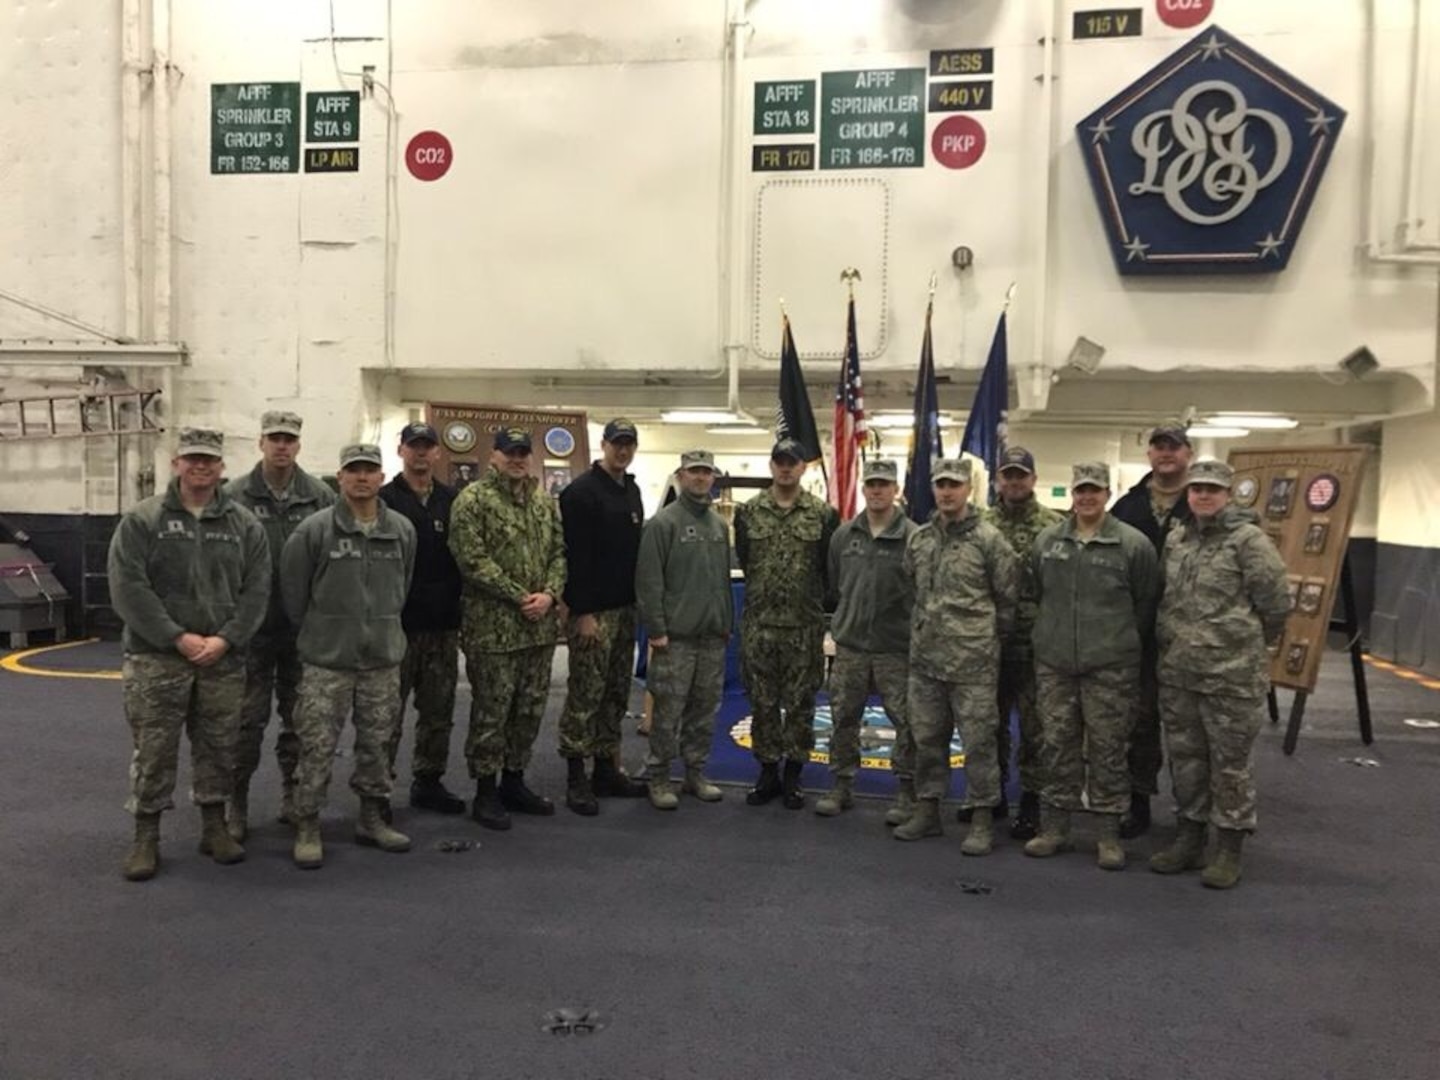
(1097, 627)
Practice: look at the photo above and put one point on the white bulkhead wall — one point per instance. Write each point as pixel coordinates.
(579, 227)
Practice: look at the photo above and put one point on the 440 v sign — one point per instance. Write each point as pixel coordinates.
(1209, 162)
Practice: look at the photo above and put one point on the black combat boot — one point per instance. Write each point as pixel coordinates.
(487, 809)
(519, 799)
(767, 788)
(1027, 821)
(790, 786)
(428, 792)
(1137, 821)
(608, 782)
(578, 796)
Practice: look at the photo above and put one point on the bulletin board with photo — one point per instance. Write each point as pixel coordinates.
(1305, 500)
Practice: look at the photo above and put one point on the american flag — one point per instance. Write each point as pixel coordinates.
(850, 432)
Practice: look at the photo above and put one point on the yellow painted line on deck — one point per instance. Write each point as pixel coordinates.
(16, 662)
(1404, 673)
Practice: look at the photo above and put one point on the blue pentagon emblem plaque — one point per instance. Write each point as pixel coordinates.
(1209, 162)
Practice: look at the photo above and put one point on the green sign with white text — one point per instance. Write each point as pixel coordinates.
(332, 116)
(255, 127)
(872, 119)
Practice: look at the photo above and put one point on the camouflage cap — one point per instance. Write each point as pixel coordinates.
(280, 422)
(697, 459)
(1172, 430)
(357, 452)
(880, 469)
(198, 440)
(1017, 457)
(1210, 471)
(1090, 474)
(512, 438)
(951, 469)
(620, 429)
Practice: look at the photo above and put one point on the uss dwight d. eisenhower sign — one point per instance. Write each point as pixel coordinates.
(1209, 162)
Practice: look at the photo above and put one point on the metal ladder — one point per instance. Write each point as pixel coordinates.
(83, 415)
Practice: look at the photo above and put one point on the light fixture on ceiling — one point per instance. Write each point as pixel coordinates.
(1216, 431)
(1256, 421)
(699, 416)
(737, 429)
(897, 421)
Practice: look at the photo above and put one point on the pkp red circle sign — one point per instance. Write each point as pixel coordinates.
(428, 156)
(958, 142)
(1182, 14)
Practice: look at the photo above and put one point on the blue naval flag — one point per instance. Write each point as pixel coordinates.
(985, 429)
(925, 443)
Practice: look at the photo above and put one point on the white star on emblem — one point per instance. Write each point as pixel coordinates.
(1135, 250)
(1269, 247)
(1101, 131)
(1211, 50)
(1320, 123)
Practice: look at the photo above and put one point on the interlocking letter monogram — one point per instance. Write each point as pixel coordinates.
(1212, 150)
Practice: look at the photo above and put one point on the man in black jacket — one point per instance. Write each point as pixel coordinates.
(1155, 505)
(431, 619)
(602, 516)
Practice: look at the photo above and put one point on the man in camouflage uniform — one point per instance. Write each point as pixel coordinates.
(966, 582)
(871, 629)
(603, 517)
(345, 573)
(281, 494)
(431, 620)
(782, 538)
(1156, 505)
(1020, 517)
(1096, 582)
(506, 536)
(682, 586)
(1225, 602)
(190, 576)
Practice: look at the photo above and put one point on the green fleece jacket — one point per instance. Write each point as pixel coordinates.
(682, 578)
(173, 573)
(279, 519)
(345, 588)
(876, 594)
(1096, 597)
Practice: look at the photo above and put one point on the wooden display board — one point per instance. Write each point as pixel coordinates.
(1305, 499)
(560, 441)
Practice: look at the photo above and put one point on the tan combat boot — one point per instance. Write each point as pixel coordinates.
(924, 822)
(980, 840)
(838, 799)
(662, 795)
(696, 784)
(373, 831)
(237, 813)
(144, 857)
(904, 804)
(1109, 854)
(215, 839)
(1223, 872)
(1054, 834)
(1186, 853)
(309, 851)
